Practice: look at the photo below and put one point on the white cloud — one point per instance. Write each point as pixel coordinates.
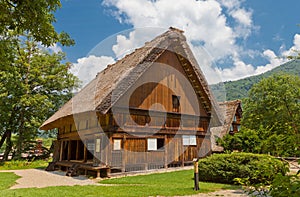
(242, 16)
(296, 47)
(55, 48)
(203, 22)
(238, 71)
(87, 68)
(206, 24)
(273, 59)
(241, 70)
(136, 38)
(231, 4)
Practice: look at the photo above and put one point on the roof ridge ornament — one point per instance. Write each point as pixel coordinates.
(176, 29)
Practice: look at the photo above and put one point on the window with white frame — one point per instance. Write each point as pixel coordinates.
(155, 144)
(189, 140)
(117, 144)
(98, 144)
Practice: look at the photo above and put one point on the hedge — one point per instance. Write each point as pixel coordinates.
(243, 168)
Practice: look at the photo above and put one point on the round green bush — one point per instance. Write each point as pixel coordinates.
(243, 168)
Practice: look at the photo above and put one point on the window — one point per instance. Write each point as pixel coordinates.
(234, 118)
(176, 103)
(97, 145)
(189, 140)
(231, 127)
(117, 144)
(91, 149)
(155, 143)
(239, 127)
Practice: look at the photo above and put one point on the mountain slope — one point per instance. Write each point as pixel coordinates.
(239, 89)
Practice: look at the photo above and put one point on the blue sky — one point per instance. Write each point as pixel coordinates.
(242, 37)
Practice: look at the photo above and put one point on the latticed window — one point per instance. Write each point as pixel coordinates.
(176, 103)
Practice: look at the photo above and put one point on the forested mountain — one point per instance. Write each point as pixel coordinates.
(239, 89)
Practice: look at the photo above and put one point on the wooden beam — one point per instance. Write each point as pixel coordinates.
(166, 153)
(77, 149)
(61, 150)
(85, 152)
(69, 150)
(124, 154)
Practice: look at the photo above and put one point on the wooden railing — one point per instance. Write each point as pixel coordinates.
(159, 120)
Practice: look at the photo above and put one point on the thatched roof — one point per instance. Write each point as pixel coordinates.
(229, 108)
(111, 83)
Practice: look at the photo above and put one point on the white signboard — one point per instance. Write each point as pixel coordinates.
(152, 144)
(117, 144)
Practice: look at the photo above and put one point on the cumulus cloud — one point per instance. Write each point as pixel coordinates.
(201, 20)
(293, 50)
(55, 48)
(87, 68)
(207, 28)
(136, 38)
(241, 70)
(204, 22)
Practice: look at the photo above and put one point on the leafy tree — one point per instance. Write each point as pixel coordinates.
(271, 118)
(32, 87)
(35, 17)
(274, 103)
(33, 82)
(246, 140)
(283, 186)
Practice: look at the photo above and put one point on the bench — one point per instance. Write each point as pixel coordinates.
(85, 167)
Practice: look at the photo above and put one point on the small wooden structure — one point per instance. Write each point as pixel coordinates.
(152, 109)
(232, 122)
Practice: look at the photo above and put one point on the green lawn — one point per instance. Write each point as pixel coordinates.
(165, 184)
(23, 164)
(7, 179)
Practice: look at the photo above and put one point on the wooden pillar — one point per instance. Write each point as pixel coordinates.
(98, 174)
(183, 153)
(147, 162)
(85, 152)
(108, 171)
(124, 155)
(61, 150)
(69, 150)
(77, 149)
(166, 153)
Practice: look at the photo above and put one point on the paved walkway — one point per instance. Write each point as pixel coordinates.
(39, 178)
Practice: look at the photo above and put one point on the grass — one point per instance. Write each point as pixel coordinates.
(164, 184)
(7, 179)
(23, 164)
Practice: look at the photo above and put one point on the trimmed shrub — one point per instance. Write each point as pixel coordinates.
(242, 168)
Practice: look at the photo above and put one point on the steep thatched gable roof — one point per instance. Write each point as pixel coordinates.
(229, 108)
(117, 78)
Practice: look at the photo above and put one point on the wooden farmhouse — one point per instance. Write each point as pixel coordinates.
(151, 109)
(232, 122)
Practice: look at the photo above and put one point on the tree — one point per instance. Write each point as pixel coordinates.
(274, 103)
(35, 17)
(33, 82)
(32, 87)
(245, 140)
(271, 118)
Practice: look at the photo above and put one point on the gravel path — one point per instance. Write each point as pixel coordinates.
(223, 193)
(41, 178)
